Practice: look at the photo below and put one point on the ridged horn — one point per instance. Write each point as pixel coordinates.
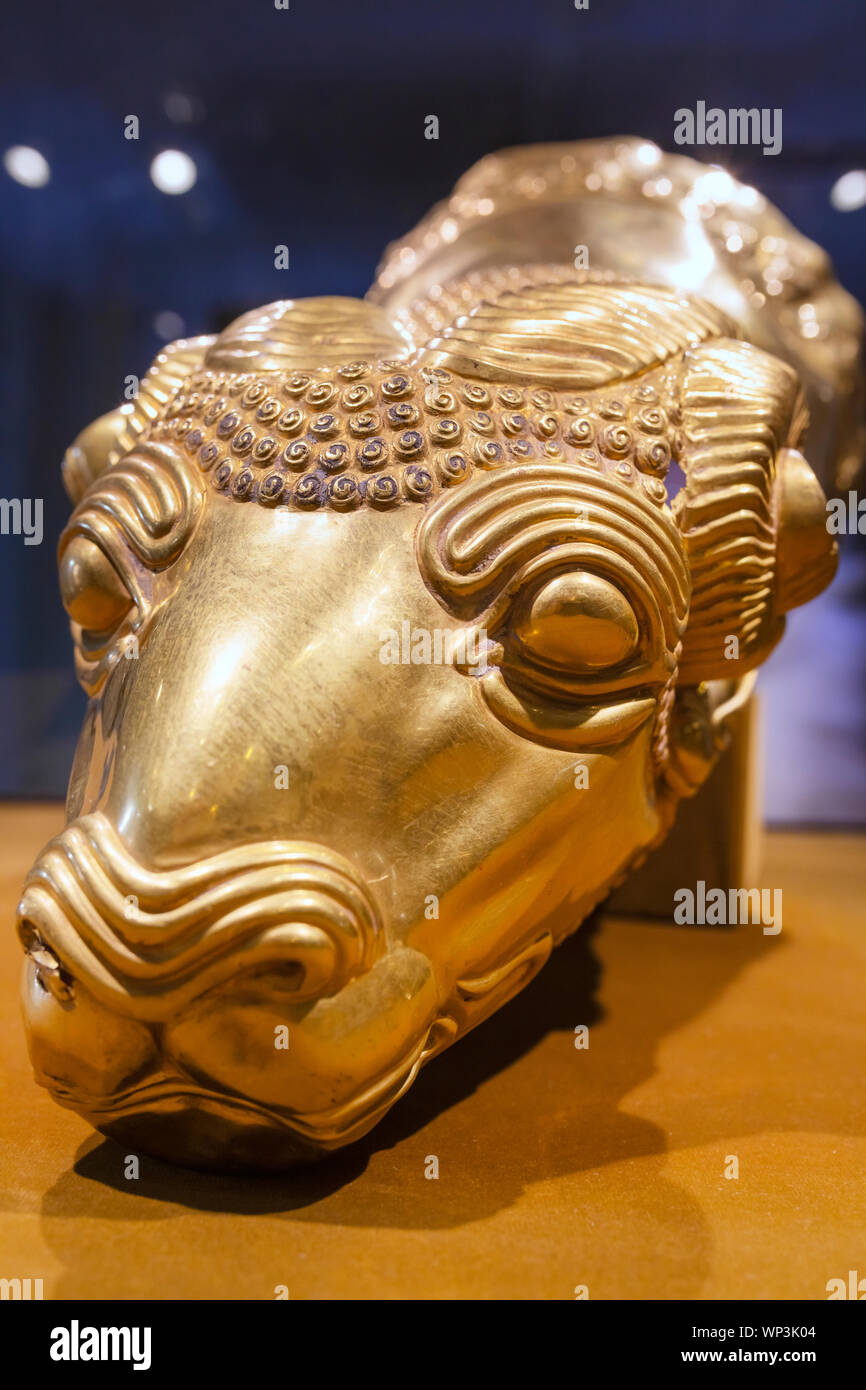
(580, 336)
(751, 512)
(303, 334)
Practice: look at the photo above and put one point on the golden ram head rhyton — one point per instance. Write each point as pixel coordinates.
(402, 641)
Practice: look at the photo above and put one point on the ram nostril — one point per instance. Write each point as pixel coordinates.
(284, 917)
(50, 974)
(302, 959)
(285, 977)
(28, 934)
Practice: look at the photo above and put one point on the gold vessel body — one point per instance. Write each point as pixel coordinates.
(406, 623)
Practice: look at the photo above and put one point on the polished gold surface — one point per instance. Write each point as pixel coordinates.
(624, 207)
(397, 664)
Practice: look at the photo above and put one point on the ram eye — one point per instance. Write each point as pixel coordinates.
(93, 593)
(577, 620)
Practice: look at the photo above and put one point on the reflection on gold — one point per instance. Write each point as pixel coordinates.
(293, 872)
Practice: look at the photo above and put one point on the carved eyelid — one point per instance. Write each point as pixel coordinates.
(140, 515)
(476, 550)
(648, 660)
(96, 649)
(510, 535)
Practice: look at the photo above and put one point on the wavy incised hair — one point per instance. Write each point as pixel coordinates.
(595, 375)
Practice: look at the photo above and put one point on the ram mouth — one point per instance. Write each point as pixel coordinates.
(169, 1095)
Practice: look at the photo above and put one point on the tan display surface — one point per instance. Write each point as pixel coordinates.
(558, 1167)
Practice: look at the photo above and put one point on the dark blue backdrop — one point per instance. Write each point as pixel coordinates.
(307, 126)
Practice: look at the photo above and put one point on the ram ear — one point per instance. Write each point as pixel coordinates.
(807, 556)
(752, 513)
(112, 435)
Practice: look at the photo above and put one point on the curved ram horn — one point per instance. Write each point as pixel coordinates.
(751, 512)
(574, 335)
(519, 215)
(303, 334)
